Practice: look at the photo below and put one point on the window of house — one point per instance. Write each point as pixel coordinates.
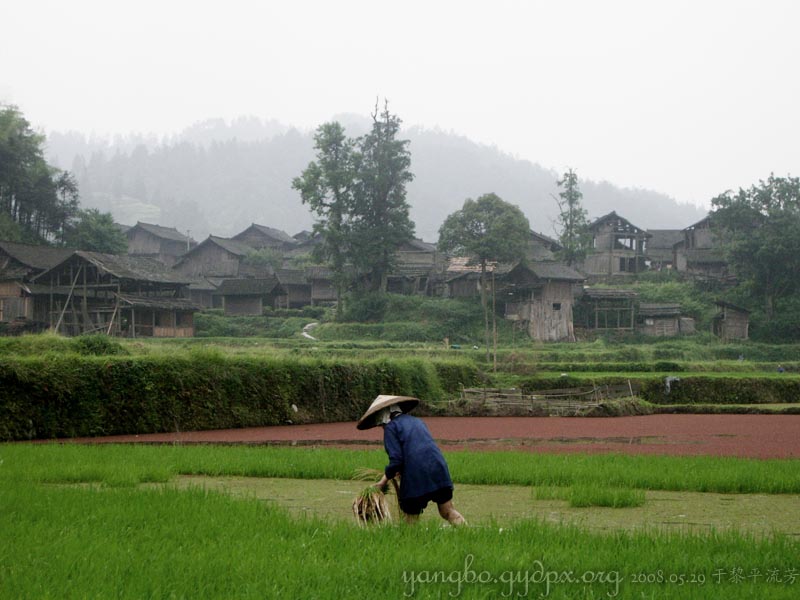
(556, 305)
(649, 322)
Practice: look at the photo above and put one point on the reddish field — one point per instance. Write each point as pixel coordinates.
(756, 436)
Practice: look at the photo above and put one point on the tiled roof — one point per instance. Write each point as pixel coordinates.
(233, 246)
(275, 234)
(167, 233)
(37, 257)
(248, 287)
(133, 268)
(601, 293)
(626, 225)
(160, 302)
(555, 270)
(659, 310)
(291, 277)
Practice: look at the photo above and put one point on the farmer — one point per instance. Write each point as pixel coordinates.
(414, 455)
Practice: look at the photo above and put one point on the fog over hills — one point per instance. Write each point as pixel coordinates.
(218, 177)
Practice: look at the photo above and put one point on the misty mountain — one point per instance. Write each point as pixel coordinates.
(218, 177)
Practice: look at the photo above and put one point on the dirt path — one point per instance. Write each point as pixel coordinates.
(756, 436)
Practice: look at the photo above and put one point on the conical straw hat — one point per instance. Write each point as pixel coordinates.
(407, 403)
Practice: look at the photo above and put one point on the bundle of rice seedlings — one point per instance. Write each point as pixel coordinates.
(370, 506)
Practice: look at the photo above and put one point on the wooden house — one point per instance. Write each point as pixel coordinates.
(249, 296)
(19, 264)
(731, 323)
(165, 244)
(539, 296)
(296, 289)
(261, 236)
(661, 248)
(603, 309)
(659, 320)
(618, 247)
(214, 257)
(129, 296)
(700, 252)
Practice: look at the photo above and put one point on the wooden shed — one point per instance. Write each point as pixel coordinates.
(540, 297)
(731, 322)
(606, 309)
(659, 320)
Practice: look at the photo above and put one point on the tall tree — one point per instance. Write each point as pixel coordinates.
(38, 198)
(326, 185)
(380, 213)
(487, 230)
(760, 229)
(571, 223)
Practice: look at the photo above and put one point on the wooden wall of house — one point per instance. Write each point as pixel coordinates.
(143, 242)
(734, 325)
(550, 313)
(209, 260)
(13, 304)
(298, 296)
(660, 326)
(243, 305)
(322, 291)
(465, 287)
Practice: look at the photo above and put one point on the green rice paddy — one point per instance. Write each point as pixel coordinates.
(233, 522)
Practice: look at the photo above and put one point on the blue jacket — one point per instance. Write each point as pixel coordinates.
(413, 453)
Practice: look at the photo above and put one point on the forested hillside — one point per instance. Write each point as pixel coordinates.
(219, 177)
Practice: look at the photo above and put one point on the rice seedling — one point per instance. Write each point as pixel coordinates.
(370, 505)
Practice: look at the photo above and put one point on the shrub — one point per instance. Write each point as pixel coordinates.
(71, 395)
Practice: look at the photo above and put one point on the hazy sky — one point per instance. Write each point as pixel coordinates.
(688, 98)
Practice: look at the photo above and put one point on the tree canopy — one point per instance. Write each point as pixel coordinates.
(760, 229)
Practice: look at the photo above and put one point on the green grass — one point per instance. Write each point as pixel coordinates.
(120, 541)
(121, 465)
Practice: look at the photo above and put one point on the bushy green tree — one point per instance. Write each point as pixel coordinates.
(94, 231)
(760, 230)
(487, 230)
